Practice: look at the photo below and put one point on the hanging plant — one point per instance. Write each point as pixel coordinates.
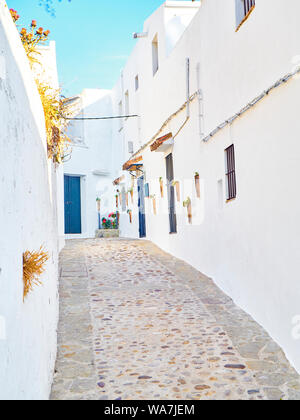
(33, 267)
(130, 215)
(54, 106)
(161, 186)
(153, 198)
(176, 185)
(197, 184)
(188, 204)
(131, 193)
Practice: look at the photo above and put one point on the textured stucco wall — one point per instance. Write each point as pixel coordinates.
(28, 219)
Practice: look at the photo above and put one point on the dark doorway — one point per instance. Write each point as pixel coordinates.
(171, 193)
(72, 205)
(142, 216)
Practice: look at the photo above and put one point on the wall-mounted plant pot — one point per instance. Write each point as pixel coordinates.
(131, 194)
(117, 201)
(161, 187)
(130, 216)
(177, 188)
(98, 206)
(197, 185)
(154, 205)
(127, 199)
(188, 204)
(190, 214)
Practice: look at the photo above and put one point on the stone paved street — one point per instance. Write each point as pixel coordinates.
(136, 323)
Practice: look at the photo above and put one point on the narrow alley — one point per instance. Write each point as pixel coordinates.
(137, 323)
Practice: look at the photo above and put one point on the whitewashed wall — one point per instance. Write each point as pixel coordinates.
(250, 247)
(92, 158)
(28, 219)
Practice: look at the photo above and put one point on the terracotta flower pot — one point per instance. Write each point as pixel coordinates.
(117, 201)
(154, 205)
(197, 185)
(130, 216)
(177, 187)
(131, 193)
(161, 185)
(190, 215)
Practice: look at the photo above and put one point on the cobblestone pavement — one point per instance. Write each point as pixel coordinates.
(137, 323)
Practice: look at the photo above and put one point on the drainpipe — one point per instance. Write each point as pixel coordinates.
(188, 88)
(200, 102)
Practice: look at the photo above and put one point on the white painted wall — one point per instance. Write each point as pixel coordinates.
(46, 71)
(249, 246)
(28, 219)
(92, 159)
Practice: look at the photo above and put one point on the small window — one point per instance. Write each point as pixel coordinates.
(155, 55)
(243, 9)
(130, 147)
(137, 83)
(230, 173)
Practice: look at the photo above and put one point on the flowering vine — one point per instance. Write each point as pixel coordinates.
(52, 103)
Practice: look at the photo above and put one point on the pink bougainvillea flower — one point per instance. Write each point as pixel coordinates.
(40, 31)
(33, 24)
(46, 33)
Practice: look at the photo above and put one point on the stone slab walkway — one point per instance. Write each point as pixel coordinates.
(137, 323)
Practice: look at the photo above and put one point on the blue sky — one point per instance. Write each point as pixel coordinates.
(94, 37)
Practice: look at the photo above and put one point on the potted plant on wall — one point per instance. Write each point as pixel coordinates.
(130, 215)
(153, 198)
(98, 201)
(188, 204)
(117, 200)
(131, 193)
(197, 184)
(176, 185)
(126, 195)
(161, 186)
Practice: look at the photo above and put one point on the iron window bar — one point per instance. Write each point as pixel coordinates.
(230, 173)
(248, 5)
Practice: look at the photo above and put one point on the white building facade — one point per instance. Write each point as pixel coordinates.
(239, 135)
(210, 99)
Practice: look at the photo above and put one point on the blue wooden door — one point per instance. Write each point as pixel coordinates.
(72, 205)
(142, 217)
